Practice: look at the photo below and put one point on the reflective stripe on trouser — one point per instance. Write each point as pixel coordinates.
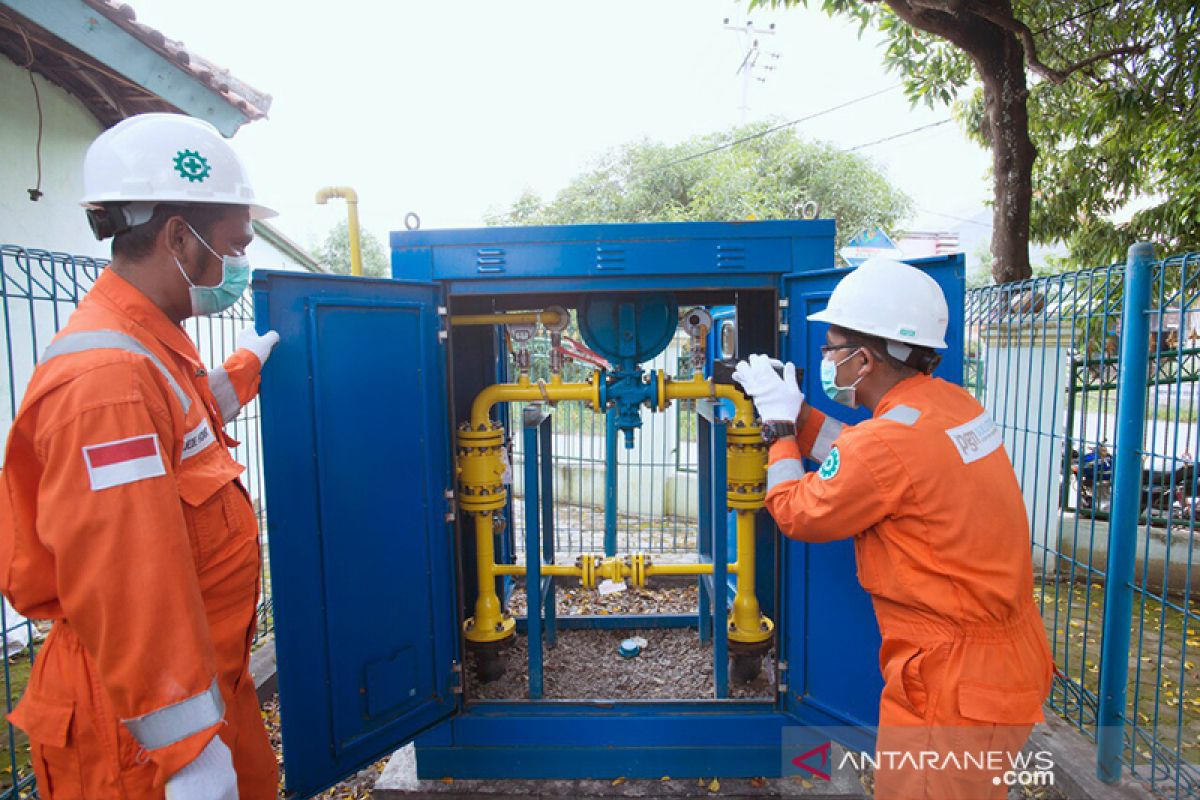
(88, 763)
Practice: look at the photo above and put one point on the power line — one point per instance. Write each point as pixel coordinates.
(773, 129)
(900, 135)
(1080, 15)
(967, 220)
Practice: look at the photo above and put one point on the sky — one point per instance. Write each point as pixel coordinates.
(452, 109)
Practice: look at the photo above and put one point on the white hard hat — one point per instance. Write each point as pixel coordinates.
(166, 158)
(891, 300)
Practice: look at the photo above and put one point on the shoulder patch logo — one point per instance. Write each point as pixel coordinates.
(831, 465)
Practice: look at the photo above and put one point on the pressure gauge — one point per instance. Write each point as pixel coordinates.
(697, 322)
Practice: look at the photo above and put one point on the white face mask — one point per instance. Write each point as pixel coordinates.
(846, 395)
(235, 277)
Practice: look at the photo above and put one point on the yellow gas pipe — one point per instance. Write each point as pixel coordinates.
(511, 318)
(351, 198)
(481, 464)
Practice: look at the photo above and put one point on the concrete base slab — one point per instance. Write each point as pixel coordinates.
(399, 782)
(262, 669)
(1075, 764)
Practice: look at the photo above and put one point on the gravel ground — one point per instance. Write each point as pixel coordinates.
(585, 665)
(669, 600)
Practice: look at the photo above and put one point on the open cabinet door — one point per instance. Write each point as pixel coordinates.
(830, 639)
(356, 456)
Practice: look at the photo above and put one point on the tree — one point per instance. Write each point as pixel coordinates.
(769, 174)
(1109, 115)
(334, 252)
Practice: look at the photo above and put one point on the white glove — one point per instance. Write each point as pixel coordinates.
(259, 345)
(777, 399)
(209, 777)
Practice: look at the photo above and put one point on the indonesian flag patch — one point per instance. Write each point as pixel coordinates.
(123, 461)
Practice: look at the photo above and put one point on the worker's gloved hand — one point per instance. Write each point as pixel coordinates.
(261, 346)
(209, 777)
(778, 399)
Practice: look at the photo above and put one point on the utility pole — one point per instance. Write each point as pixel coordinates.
(750, 68)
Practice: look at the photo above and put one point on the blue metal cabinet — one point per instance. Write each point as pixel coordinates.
(356, 447)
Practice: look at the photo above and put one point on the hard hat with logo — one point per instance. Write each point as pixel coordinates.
(164, 158)
(891, 300)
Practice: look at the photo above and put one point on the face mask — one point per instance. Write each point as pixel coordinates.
(235, 277)
(838, 394)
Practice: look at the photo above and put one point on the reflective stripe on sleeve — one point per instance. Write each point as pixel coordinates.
(113, 340)
(178, 721)
(826, 436)
(783, 470)
(222, 388)
(905, 415)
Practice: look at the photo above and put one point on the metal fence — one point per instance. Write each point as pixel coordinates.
(38, 291)
(651, 507)
(1093, 377)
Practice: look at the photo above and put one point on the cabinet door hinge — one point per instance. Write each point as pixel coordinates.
(443, 329)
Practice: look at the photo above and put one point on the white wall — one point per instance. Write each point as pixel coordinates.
(263, 255)
(56, 222)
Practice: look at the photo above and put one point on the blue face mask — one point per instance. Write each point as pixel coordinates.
(235, 277)
(838, 394)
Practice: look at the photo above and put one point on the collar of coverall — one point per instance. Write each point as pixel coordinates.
(122, 296)
(895, 395)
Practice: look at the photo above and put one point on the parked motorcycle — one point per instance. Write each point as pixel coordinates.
(1164, 491)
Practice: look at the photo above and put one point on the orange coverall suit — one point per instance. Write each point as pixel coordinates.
(122, 519)
(942, 545)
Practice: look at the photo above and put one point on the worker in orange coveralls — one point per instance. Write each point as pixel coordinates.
(941, 538)
(122, 517)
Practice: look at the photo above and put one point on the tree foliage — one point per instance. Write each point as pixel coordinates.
(334, 252)
(1112, 111)
(773, 175)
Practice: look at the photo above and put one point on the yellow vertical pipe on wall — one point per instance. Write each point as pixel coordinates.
(351, 198)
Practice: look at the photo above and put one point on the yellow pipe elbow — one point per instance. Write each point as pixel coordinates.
(523, 390)
(700, 387)
(743, 407)
(351, 198)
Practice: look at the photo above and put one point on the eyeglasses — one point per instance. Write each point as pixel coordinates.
(826, 349)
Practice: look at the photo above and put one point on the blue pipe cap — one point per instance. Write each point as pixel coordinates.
(629, 648)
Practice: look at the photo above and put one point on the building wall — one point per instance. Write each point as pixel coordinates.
(56, 222)
(263, 255)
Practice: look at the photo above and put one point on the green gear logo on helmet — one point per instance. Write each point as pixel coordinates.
(191, 165)
(831, 465)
